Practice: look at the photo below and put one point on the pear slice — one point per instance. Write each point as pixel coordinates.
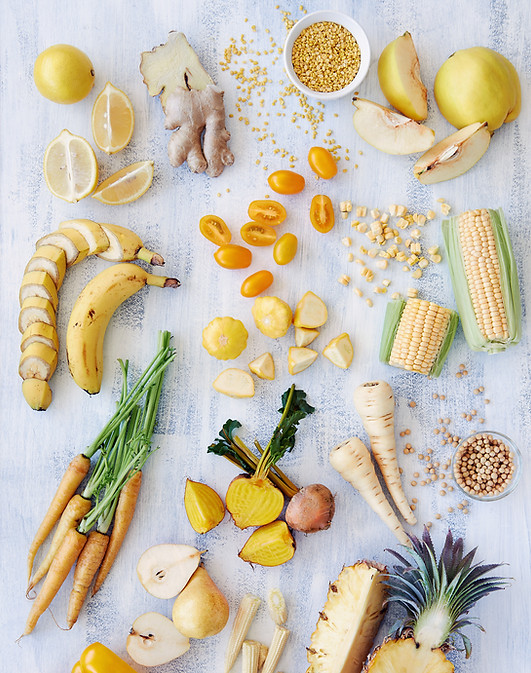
(304, 336)
(390, 131)
(154, 640)
(399, 77)
(234, 382)
(454, 155)
(164, 570)
(263, 366)
(300, 359)
(339, 351)
(311, 311)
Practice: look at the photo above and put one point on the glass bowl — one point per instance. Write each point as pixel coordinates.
(353, 27)
(516, 457)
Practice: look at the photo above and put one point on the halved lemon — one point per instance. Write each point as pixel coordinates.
(127, 185)
(70, 167)
(113, 120)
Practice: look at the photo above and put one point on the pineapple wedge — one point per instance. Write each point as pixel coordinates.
(311, 311)
(339, 351)
(349, 620)
(263, 367)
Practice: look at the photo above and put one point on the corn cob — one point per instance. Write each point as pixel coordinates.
(417, 335)
(484, 279)
(245, 615)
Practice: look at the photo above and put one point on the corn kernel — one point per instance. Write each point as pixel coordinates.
(436, 259)
(401, 211)
(344, 279)
(417, 273)
(430, 215)
(362, 227)
(361, 211)
(369, 302)
(375, 213)
(395, 295)
(412, 292)
(358, 292)
(350, 257)
(386, 282)
(382, 264)
(347, 242)
(433, 250)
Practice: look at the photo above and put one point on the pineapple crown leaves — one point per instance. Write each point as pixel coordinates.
(445, 589)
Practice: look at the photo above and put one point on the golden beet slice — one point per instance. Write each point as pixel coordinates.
(270, 545)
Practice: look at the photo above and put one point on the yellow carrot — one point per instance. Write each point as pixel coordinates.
(74, 475)
(71, 517)
(62, 563)
(87, 566)
(353, 462)
(375, 404)
(123, 516)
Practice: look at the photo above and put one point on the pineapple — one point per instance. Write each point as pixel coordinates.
(436, 594)
(349, 620)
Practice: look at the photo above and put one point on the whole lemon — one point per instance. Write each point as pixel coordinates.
(477, 85)
(63, 73)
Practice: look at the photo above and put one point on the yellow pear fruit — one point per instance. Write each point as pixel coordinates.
(200, 610)
(477, 85)
(454, 155)
(399, 77)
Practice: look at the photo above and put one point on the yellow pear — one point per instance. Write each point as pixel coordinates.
(478, 85)
(200, 610)
(399, 77)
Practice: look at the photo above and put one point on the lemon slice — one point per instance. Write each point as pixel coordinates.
(113, 120)
(70, 167)
(127, 185)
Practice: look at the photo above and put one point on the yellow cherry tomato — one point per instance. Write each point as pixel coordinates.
(285, 249)
(267, 212)
(286, 182)
(322, 162)
(322, 213)
(97, 658)
(214, 229)
(232, 256)
(257, 283)
(254, 233)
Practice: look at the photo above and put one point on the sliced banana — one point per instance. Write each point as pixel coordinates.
(71, 241)
(38, 284)
(38, 361)
(91, 231)
(37, 394)
(35, 309)
(51, 259)
(40, 332)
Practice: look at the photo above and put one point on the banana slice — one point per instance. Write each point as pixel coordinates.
(38, 361)
(35, 309)
(40, 332)
(91, 231)
(125, 246)
(71, 241)
(51, 259)
(37, 394)
(38, 284)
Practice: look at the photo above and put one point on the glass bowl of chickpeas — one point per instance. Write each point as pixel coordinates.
(487, 466)
(327, 55)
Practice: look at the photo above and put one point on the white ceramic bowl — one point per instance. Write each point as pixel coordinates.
(353, 27)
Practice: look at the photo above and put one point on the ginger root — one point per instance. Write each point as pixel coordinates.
(192, 104)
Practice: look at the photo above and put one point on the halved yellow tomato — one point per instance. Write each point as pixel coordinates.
(258, 234)
(232, 256)
(322, 213)
(285, 249)
(256, 283)
(215, 230)
(286, 182)
(267, 211)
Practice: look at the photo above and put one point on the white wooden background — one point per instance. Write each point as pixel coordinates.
(37, 447)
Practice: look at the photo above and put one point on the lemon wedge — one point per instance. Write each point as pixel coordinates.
(126, 185)
(70, 167)
(113, 120)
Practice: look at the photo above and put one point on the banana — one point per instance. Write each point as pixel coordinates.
(41, 332)
(38, 284)
(35, 309)
(37, 394)
(51, 259)
(38, 361)
(91, 232)
(91, 314)
(125, 246)
(71, 241)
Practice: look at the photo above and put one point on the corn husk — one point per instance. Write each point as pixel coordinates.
(509, 284)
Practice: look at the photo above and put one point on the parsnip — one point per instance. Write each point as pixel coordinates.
(352, 460)
(375, 404)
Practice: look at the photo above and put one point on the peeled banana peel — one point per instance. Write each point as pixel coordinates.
(91, 314)
(43, 276)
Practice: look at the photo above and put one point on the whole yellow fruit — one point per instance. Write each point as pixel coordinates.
(478, 85)
(63, 74)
